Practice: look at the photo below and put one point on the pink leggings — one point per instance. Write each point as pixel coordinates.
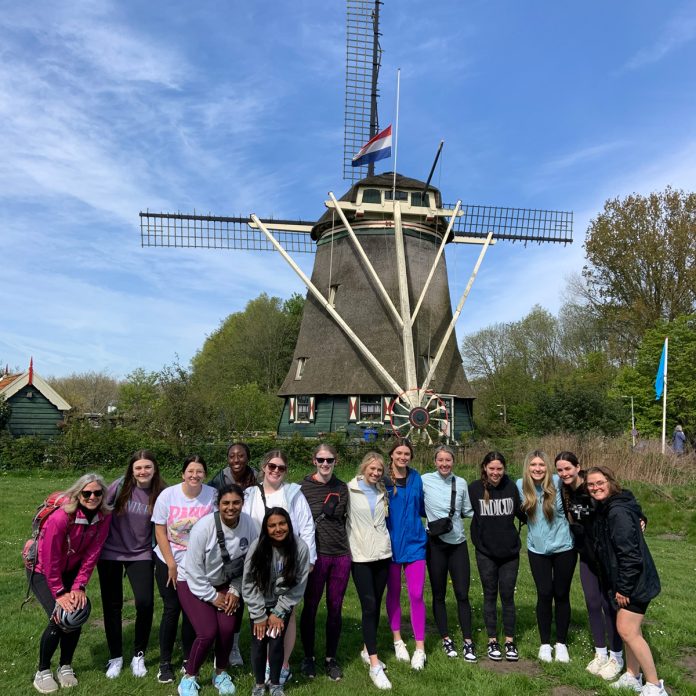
(415, 582)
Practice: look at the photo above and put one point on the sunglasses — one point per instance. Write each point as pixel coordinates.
(324, 460)
(88, 494)
(280, 468)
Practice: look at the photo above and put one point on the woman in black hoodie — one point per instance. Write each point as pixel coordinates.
(496, 503)
(628, 573)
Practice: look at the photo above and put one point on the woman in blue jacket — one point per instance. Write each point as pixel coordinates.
(550, 550)
(408, 540)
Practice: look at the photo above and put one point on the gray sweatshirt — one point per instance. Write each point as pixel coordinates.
(202, 567)
(280, 598)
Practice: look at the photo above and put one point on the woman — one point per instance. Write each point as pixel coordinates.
(128, 551)
(327, 497)
(370, 548)
(552, 557)
(496, 503)
(275, 577)
(408, 542)
(275, 491)
(580, 510)
(446, 497)
(69, 545)
(177, 509)
(628, 574)
(211, 586)
(239, 472)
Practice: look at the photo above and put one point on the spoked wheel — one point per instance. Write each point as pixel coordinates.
(419, 416)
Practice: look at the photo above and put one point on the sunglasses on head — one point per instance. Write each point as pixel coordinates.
(324, 460)
(281, 468)
(88, 494)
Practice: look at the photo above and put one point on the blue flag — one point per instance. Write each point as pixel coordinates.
(660, 378)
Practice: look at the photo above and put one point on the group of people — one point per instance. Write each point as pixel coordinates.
(254, 540)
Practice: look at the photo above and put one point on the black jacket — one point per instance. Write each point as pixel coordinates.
(625, 561)
(493, 530)
(329, 505)
(224, 478)
(580, 511)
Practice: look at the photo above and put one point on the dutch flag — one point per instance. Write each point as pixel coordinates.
(376, 149)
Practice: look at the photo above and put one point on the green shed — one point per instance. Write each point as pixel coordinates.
(37, 408)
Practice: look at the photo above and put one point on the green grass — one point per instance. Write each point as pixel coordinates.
(670, 627)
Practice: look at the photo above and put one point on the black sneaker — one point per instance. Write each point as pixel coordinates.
(165, 674)
(468, 652)
(511, 654)
(308, 667)
(448, 647)
(333, 669)
(495, 653)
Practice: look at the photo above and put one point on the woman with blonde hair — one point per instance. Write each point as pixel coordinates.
(370, 547)
(69, 545)
(550, 550)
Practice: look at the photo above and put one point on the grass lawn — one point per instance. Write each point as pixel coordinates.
(670, 623)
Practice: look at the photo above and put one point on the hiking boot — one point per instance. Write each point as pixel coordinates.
(114, 667)
(309, 667)
(468, 652)
(333, 669)
(401, 651)
(223, 683)
(448, 647)
(44, 682)
(137, 666)
(66, 677)
(494, 651)
(511, 654)
(165, 673)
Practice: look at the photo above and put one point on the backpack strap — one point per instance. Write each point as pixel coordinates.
(263, 496)
(221, 539)
(454, 495)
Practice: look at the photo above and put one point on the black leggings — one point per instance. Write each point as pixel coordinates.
(53, 636)
(370, 581)
(141, 577)
(498, 576)
(270, 649)
(449, 560)
(553, 574)
(170, 617)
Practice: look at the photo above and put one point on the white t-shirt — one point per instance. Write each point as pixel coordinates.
(179, 513)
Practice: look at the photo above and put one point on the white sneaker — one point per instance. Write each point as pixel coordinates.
(366, 659)
(66, 676)
(597, 662)
(137, 666)
(418, 659)
(562, 653)
(610, 669)
(114, 667)
(44, 682)
(401, 652)
(545, 653)
(628, 681)
(654, 689)
(379, 678)
(236, 659)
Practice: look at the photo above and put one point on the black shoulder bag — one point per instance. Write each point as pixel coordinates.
(230, 568)
(444, 524)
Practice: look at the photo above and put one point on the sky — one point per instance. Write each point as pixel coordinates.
(110, 107)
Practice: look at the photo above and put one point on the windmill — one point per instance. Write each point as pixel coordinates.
(376, 346)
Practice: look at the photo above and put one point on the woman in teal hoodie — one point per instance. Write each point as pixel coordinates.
(552, 557)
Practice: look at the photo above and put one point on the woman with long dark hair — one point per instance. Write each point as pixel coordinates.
(408, 543)
(275, 577)
(177, 509)
(446, 497)
(550, 550)
(211, 587)
(69, 545)
(128, 551)
(496, 503)
(327, 497)
(628, 575)
(580, 510)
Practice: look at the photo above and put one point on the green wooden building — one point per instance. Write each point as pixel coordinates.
(37, 408)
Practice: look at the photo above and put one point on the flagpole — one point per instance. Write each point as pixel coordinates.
(396, 129)
(664, 398)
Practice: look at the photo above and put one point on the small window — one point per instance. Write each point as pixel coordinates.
(371, 196)
(301, 362)
(333, 289)
(302, 408)
(400, 195)
(371, 408)
(420, 200)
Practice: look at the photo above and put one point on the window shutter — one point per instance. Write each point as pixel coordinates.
(352, 409)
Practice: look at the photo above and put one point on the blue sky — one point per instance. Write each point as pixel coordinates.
(111, 107)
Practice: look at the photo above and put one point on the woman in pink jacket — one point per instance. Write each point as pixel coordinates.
(69, 545)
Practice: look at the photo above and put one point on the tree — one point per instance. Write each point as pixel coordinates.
(5, 412)
(139, 396)
(641, 263)
(87, 392)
